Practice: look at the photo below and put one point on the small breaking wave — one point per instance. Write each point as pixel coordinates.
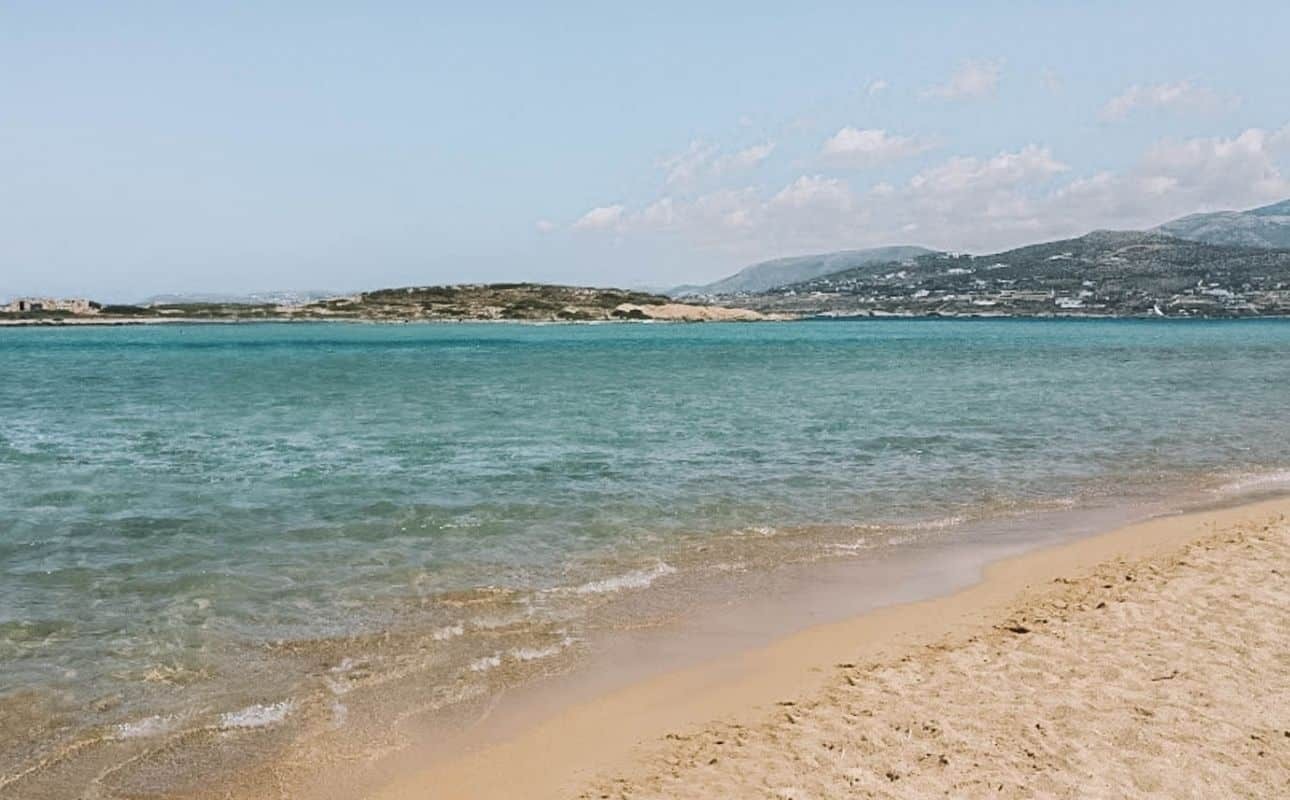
(1244, 482)
(637, 579)
(524, 654)
(486, 663)
(850, 547)
(938, 524)
(535, 653)
(728, 566)
(257, 716)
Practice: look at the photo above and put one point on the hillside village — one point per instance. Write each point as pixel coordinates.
(1101, 274)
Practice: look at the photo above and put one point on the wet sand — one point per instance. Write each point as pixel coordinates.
(1150, 661)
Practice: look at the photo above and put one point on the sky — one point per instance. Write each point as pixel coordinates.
(223, 147)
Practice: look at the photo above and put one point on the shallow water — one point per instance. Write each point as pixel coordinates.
(225, 531)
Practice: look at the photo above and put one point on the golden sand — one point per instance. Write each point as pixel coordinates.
(1153, 661)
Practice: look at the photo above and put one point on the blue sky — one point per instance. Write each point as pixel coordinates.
(156, 147)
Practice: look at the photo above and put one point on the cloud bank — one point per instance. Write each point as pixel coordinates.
(963, 202)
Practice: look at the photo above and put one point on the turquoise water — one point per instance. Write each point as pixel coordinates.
(186, 510)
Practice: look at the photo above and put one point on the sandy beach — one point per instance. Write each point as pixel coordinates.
(387, 411)
(1151, 661)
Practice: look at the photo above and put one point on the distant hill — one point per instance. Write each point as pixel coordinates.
(493, 301)
(768, 275)
(1268, 226)
(1107, 273)
(519, 302)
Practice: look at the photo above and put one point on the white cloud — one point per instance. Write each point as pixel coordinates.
(545, 226)
(601, 218)
(701, 159)
(684, 167)
(660, 214)
(813, 191)
(980, 204)
(1031, 163)
(972, 79)
(1180, 96)
(876, 86)
(809, 211)
(746, 158)
(856, 148)
(967, 202)
(1181, 177)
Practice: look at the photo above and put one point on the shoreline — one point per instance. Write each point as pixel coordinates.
(125, 322)
(391, 734)
(400, 599)
(555, 753)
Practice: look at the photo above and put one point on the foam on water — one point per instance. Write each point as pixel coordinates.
(147, 727)
(938, 524)
(636, 579)
(523, 654)
(485, 663)
(256, 716)
(1268, 479)
(850, 547)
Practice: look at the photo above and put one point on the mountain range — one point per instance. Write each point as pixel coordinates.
(767, 275)
(1103, 273)
(1264, 227)
(1268, 226)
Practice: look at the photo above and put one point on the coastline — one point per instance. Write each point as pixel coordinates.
(126, 322)
(560, 753)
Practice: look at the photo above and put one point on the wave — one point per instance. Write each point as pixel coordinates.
(938, 524)
(523, 654)
(1245, 481)
(486, 663)
(257, 716)
(850, 547)
(637, 579)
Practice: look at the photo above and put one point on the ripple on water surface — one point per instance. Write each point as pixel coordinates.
(209, 535)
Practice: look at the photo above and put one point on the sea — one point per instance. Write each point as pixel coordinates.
(227, 549)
